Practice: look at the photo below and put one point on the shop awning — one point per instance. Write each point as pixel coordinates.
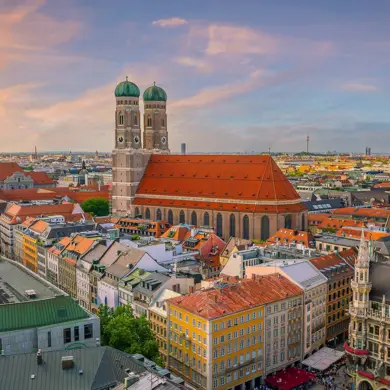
(323, 359)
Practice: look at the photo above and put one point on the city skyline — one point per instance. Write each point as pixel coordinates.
(238, 77)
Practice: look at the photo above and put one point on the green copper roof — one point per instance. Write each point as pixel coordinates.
(127, 89)
(155, 94)
(44, 312)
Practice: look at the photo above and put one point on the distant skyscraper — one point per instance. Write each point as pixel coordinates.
(183, 148)
(368, 151)
(307, 144)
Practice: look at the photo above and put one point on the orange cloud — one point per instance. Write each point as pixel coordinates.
(199, 64)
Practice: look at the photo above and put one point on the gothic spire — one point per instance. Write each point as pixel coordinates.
(363, 259)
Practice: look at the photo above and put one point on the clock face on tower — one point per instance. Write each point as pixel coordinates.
(164, 140)
(136, 140)
(121, 140)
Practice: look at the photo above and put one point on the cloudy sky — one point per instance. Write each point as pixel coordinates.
(240, 75)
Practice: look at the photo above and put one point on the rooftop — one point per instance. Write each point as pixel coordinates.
(14, 281)
(237, 296)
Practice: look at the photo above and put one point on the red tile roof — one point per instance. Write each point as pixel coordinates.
(326, 261)
(8, 168)
(238, 296)
(363, 212)
(40, 177)
(226, 177)
(288, 236)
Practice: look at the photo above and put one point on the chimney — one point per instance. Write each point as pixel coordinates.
(67, 362)
(253, 276)
(39, 357)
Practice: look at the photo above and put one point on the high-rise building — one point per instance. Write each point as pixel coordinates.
(368, 151)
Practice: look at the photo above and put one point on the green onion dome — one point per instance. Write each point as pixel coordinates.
(155, 94)
(127, 89)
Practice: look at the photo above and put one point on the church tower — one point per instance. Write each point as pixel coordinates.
(155, 120)
(128, 158)
(361, 287)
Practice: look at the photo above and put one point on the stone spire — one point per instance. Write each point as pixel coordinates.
(363, 260)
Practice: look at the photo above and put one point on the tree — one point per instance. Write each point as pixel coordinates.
(121, 330)
(96, 206)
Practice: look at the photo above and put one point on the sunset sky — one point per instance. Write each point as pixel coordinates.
(240, 75)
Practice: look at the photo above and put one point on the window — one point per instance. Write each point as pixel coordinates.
(206, 219)
(76, 333)
(147, 213)
(182, 217)
(170, 217)
(48, 340)
(136, 212)
(149, 122)
(288, 222)
(194, 219)
(67, 336)
(245, 227)
(158, 215)
(264, 227)
(88, 331)
(120, 118)
(232, 229)
(135, 120)
(163, 122)
(219, 225)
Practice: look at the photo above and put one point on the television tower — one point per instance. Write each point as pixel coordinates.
(307, 144)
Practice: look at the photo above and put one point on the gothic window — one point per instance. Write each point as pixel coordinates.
(163, 122)
(170, 217)
(219, 225)
(206, 219)
(245, 227)
(303, 222)
(158, 215)
(288, 222)
(120, 118)
(149, 122)
(147, 213)
(264, 227)
(182, 217)
(135, 120)
(136, 212)
(232, 225)
(194, 219)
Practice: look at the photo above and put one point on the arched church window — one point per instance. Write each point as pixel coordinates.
(264, 227)
(125, 101)
(303, 222)
(245, 227)
(232, 225)
(136, 212)
(182, 217)
(135, 120)
(288, 222)
(162, 122)
(206, 219)
(194, 219)
(158, 215)
(147, 213)
(219, 225)
(120, 118)
(170, 217)
(149, 122)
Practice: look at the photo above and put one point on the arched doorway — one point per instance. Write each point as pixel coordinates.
(288, 222)
(365, 385)
(219, 225)
(194, 219)
(170, 217)
(264, 227)
(232, 225)
(206, 219)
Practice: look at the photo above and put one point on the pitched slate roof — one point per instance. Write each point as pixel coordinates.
(39, 313)
(103, 367)
(227, 178)
(238, 296)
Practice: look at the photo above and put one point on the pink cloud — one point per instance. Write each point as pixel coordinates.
(201, 65)
(170, 23)
(359, 87)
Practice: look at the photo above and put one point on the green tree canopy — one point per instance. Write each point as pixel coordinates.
(96, 206)
(121, 330)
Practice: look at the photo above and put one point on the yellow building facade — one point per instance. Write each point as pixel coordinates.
(30, 253)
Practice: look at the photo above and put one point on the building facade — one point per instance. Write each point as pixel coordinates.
(246, 196)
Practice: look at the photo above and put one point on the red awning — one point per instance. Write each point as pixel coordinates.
(289, 378)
